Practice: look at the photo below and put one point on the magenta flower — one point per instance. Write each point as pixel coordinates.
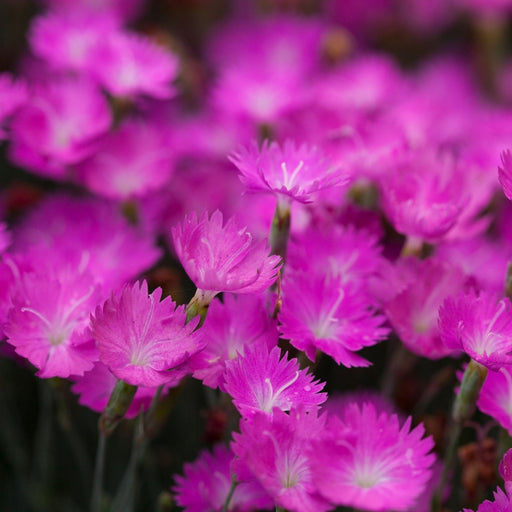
(505, 173)
(66, 39)
(221, 257)
(289, 172)
(95, 386)
(351, 254)
(132, 161)
(140, 338)
(48, 321)
(495, 398)
(501, 503)
(88, 233)
(128, 64)
(262, 380)
(320, 313)
(413, 311)
(368, 461)
(424, 194)
(285, 45)
(479, 325)
(247, 92)
(205, 485)
(276, 450)
(230, 327)
(58, 126)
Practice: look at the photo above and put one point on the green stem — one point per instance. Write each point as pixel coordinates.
(280, 231)
(234, 483)
(118, 403)
(463, 408)
(99, 470)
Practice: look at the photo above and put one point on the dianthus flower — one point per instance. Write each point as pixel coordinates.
(501, 503)
(131, 161)
(247, 92)
(290, 172)
(48, 321)
(206, 482)
(231, 326)
(58, 126)
(413, 311)
(140, 338)
(128, 64)
(88, 233)
(479, 325)
(276, 450)
(221, 257)
(482, 258)
(261, 380)
(423, 194)
(320, 313)
(351, 254)
(364, 85)
(283, 44)
(368, 461)
(495, 398)
(66, 39)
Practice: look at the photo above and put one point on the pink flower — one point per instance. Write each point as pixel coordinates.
(248, 92)
(368, 84)
(87, 233)
(482, 258)
(353, 255)
(495, 397)
(221, 257)
(58, 126)
(141, 339)
(230, 327)
(262, 380)
(132, 161)
(289, 172)
(66, 39)
(276, 450)
(368, 461)
(205, 485)
(95, 386)
(423, 194)
(48, 321)
(501, 503)
(320, 313)
(284, 45)
(413, 310)
(129, 64)
(505, 173)
(479, 325)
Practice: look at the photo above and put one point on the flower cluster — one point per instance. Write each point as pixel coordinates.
(250, 215)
